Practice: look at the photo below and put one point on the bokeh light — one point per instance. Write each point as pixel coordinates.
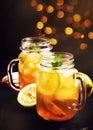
(69, 8)
(68, 30)
(83, 46)
(39, 25)
(90, 35)
(53, 30)
(50, 9)
(59, 2)
(39, 7)
(44, 19)
(87, 23)
(48, 30)
(61, 18)
(53, 41)
(77, 17)
(77, 35)
(33, 3)
(82, 36)
(60, 14)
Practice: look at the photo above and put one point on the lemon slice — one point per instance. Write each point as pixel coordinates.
(48, 82)
(27, 96)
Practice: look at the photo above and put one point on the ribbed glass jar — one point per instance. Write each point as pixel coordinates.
(29, 59)
(61, 90)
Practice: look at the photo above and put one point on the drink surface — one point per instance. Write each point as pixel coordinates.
(28, 67)
(57, 94)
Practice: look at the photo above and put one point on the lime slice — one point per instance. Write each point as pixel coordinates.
(27, 96)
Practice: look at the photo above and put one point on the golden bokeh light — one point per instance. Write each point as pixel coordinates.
(44, 19)
(83, 46)
(90, 35)
(53, 41)
(68, 30)
(82, 36)
(60, 14)
(49, 9)
(39, 7)
(77, 17)
(63, 19)
(39, 25)
(59, 2)
(48, 30)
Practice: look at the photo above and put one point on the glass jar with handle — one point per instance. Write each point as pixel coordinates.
(28, 61)
(61, 89)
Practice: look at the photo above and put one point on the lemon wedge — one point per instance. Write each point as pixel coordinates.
(89, 84)
(27, 96)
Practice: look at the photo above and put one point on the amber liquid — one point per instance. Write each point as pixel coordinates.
(53, 109)
(28, 67)
(57, 96)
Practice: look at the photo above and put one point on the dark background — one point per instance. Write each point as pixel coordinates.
(18, 20)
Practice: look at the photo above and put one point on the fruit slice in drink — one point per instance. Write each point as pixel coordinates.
(69, 88)
(52, 108)
(48, 82)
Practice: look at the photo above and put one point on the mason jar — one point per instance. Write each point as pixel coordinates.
(61, 88)
(32, 49)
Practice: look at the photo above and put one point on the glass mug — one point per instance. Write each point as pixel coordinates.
(61, 89)
(32, 49)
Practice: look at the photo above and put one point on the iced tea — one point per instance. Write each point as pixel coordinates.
(28, 67)
(60, 90)
(57, 95)
(28, 61)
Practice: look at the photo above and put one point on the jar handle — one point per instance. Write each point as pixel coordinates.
(82, 91)
(10, 67)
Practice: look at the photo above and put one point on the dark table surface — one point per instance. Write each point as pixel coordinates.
(13, 116)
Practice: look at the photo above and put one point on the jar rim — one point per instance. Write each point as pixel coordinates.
(64, 54)
(49, 58)
(35, 44)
